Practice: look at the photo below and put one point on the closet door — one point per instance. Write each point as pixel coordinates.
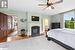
(1, 25)
(5, 25)
(3, 36)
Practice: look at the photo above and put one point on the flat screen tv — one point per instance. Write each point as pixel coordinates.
(35, 18)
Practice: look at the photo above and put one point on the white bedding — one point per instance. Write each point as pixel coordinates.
(67, 36)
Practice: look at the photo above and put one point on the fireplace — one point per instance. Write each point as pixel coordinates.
(35, 31)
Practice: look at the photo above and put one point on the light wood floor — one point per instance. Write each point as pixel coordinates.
(15, 38)
(18, 37)
(34, 43)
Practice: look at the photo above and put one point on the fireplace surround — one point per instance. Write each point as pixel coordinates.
(35, 31)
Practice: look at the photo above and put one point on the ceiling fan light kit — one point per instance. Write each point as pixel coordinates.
(50, 3)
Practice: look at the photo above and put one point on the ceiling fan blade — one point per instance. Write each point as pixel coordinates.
(42, 0)
(42, 4)
(45, 7)
(52, 7)
(58, 2)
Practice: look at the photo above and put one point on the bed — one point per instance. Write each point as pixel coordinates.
(64, 37)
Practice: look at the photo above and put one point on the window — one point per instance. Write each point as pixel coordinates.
(3, 3)
(69, 18)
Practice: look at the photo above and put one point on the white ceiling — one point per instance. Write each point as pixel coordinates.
(32, 6)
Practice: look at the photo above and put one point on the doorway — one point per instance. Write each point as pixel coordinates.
(45, 24)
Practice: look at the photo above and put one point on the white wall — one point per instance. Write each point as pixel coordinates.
(58, 18)
(26, 15)
(38, 23)
(33, 23)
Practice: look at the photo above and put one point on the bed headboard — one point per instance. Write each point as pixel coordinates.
(55, 25)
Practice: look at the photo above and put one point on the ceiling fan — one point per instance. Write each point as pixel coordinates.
(50, 3)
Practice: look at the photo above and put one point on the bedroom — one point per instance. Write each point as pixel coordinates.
(24, 11)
